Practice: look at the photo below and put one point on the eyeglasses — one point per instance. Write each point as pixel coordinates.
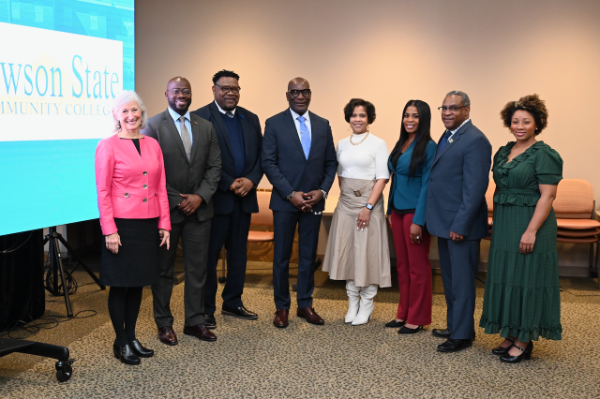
(452, 108)
(296, 93)
(227, 89)
(176, 92)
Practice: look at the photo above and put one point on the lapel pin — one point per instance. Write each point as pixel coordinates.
(450, 141)
(195, 123)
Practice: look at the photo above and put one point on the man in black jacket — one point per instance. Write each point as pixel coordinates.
(240, 139)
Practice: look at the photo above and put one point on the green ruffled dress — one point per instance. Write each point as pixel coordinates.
(522, 294)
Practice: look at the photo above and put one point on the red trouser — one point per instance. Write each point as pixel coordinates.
(414, 272)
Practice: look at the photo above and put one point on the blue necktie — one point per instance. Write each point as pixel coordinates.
(304, 136)
(444, 141)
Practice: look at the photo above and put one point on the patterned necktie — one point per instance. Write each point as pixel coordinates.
(304, 136)
(185, 137)
(229, 114)
(444, 141)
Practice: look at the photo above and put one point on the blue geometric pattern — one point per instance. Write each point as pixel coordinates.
(108, 19)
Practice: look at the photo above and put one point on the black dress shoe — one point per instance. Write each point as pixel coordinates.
(395, 324)
(500, 351)
(454, 345)
(139, 350)
(240, 312)
(407, 330)
(200, 331)
(525, 354)
(445, 333)
(437, 332)
(125, 354)
(210, 322)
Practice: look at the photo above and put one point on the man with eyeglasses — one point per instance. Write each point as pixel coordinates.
(240, 140)
(298, 158)
(193, 168)
(457, 214)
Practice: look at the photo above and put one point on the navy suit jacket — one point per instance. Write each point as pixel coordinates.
(286, 166)
(458, 181)
(224, 198)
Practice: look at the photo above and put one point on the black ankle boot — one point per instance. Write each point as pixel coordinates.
(125, 354)
(139, 350)
(525, 353)
(500, 351)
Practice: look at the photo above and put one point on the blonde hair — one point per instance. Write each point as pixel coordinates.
(123, 98)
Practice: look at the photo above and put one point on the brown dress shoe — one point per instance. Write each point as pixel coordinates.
(201, 332)
(167, 335)
(310, 315)
(281, 318)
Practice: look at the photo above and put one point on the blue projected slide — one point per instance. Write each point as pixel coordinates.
(62, 62)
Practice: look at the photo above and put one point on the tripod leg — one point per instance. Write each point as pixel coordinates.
(87, 269)
(58, 268)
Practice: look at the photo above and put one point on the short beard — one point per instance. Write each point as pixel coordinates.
(226, 108)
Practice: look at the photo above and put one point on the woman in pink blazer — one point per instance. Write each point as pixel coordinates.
(134, 216)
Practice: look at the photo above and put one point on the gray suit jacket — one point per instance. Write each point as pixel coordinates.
(200, 175)
(457, 184)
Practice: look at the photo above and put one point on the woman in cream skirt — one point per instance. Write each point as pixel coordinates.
(357, 249)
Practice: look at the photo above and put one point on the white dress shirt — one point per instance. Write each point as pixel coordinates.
(221, 110)
(297, 123)
(187, 122)
(456, 130)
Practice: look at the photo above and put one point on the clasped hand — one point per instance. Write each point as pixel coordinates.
(305, 201)
(190, 203)
(241, 186)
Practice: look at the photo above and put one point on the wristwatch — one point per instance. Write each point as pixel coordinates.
(289, 197)
(324, 193)
(369, 207)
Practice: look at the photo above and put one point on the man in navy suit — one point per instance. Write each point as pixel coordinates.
(456, 213)
(240, 141)
(298, 158)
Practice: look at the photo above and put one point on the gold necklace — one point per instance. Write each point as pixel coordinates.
(363, 139)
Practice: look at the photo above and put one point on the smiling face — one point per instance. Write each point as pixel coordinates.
(453, 119)
(178, 100)
(522, 126)
(359, 121)
(298, 104)
(410, 120)
(129, 116)
(228, 101)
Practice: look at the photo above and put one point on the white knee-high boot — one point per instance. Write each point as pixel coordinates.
(366, 305)
(353, 299)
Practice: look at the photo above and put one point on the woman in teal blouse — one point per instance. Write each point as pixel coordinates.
(409, 163)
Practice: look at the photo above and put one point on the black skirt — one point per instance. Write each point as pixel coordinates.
(136, 263)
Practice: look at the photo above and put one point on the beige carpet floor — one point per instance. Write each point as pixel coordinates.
(253, 359)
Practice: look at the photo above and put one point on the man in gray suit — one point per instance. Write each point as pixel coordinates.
(193, 168)
(457, 214)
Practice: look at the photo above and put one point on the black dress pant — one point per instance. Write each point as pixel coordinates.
(231, 231)
(194, 236)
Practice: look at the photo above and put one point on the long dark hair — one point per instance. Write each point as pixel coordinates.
(422, 137)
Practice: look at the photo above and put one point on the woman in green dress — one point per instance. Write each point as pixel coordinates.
(522, 295)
